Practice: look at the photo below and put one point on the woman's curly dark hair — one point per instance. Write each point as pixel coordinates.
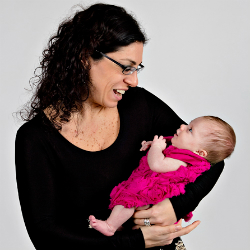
(64, 82)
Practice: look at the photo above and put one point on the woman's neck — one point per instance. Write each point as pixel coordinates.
(93, 112)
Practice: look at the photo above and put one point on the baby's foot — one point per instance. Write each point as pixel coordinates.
(101, 226)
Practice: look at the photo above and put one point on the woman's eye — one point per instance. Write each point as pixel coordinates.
(190, 130)
(127, 69)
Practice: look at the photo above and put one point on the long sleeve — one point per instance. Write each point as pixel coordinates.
(60, 185)
(166, 122)
(195, 192)
(41, 199)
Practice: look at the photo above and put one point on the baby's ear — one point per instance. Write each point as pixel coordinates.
(202, 153)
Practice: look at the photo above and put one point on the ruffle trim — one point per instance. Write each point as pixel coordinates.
(147, 187)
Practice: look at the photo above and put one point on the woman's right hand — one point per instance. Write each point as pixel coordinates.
(161, 236)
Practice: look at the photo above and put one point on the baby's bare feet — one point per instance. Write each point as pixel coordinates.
(101, 226)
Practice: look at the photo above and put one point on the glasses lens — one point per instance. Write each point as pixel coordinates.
(140, 68)
(129, 70)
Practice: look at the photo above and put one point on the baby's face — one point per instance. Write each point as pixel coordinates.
(191, 136)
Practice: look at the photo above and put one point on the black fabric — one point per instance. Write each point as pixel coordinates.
(60, 185)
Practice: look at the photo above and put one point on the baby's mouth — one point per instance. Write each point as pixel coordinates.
(119, 92)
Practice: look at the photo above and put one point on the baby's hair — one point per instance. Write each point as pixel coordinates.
(220, 140)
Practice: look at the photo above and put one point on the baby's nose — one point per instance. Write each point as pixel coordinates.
(182, 127)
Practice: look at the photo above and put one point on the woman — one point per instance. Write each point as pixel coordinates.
(85, 125)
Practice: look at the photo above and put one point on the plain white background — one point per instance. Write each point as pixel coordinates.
(197, 60)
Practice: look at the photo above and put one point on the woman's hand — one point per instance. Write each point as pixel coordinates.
(161, 236)
(161, 217)
(161, 214)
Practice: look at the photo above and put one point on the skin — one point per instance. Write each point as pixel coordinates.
(162, 214)
(186, 137)
(100, 122)
(157, 160)
(107, 76)
(158, 163)
(100, 119)
(164, 235)
(192, 135)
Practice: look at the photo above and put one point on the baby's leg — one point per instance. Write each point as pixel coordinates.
(118, 216)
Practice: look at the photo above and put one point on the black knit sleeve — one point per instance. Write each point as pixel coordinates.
(165, 122)
(196, 191)
(38, 194)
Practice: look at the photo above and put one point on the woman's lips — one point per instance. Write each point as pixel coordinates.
(119, 93)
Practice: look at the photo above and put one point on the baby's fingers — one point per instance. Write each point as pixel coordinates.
(155, 137)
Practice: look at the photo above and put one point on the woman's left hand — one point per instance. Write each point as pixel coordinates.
(161, 214)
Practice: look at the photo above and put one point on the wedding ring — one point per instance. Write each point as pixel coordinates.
(147, 222)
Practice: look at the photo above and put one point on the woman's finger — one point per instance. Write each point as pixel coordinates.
(136, 227)
(161, 214)
(140, 222)
(190, 228)
(180, 231)
(142, 208)
(160, 236)
(142, 214)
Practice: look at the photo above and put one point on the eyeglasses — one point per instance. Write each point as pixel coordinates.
(126, 70)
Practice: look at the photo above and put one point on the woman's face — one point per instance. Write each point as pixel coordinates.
(108, 81)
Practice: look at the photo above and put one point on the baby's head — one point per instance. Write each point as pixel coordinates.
(207, 136)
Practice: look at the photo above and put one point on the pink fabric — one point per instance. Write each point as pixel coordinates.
(145, 187)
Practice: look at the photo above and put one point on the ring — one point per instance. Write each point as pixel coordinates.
(147, 222)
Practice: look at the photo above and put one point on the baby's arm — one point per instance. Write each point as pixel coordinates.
(157, 160)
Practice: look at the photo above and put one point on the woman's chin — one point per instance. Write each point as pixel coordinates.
(110, 104)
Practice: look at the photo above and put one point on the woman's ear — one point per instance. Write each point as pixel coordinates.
(202, 153)
(85, 64)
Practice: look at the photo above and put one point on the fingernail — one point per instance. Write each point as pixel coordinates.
(177, 228)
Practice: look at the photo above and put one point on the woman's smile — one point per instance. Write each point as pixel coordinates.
(109, 83)
(119, 93)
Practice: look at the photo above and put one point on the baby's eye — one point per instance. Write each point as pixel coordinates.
(190, 130)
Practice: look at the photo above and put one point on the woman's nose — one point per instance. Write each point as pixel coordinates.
(132, 80)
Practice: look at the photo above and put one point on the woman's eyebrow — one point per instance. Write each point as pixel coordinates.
(131, 61)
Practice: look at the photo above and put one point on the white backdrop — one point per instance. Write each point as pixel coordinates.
(197, 61)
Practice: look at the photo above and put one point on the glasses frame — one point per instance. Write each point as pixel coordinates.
(124, 68)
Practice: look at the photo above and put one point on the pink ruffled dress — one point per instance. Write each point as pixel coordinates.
(145, 187)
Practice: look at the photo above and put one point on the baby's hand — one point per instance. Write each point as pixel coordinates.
(145, 145)
(159, 142)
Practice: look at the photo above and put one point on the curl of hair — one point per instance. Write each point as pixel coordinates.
(220, 141)
(64, 82)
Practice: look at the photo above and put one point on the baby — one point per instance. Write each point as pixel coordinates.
(164, 172)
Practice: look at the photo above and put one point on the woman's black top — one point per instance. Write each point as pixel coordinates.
(60, 185)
